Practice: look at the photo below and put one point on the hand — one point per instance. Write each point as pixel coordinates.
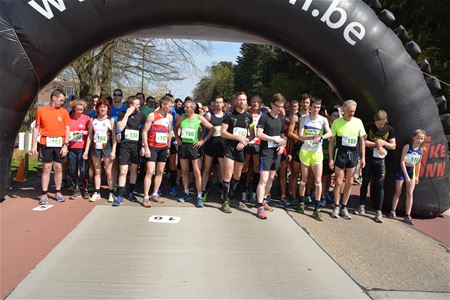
(199, 144)
(179, 142)
(316, 139)
(85, 155)
(331, 164)
(240, 146)
(130, 110)
(379, 143)
(147, 153)
(363, 163)
(34, 151)
(280, 150)
(142, 152)
(408, 180)
(381, 150)
(277, 140)
(63, 151)
(112, 156)
(289, 158)
(243, 141)
(417, 180)
(283, 142)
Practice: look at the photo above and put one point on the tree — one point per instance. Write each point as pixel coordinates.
(218, 81)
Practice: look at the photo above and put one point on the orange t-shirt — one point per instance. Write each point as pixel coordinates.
(52, 122)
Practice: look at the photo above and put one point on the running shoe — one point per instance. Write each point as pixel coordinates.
(268, 199)
(266, 205)
(244, 197)
(226, 206)
(86, 195)
(285, 202)
(43, 199)
(261, 214)
(95, 197)
(205, 196)
(408, 220)
(173, 191)
(200, 202)
(308, 199)
(336, 211)
(157, 199)
(110, 197)
(361, 210)
(317, 215)
(379, 217)
(301, 208)
(59, 197)
(118, 201)
(76, 194)
(357, 180)
(132, 197)
(184, 197)
(146, 202)
(345, 214)
(392, 215)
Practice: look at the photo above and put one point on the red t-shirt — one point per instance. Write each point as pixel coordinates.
(80, 124)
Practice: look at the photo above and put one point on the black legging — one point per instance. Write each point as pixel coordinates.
(375, 168)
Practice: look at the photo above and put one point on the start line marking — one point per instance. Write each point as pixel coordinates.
(164, 219)
(43, 207)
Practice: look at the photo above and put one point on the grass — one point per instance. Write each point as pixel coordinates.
(34, 165)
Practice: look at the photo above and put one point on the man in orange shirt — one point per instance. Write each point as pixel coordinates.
(53, 124)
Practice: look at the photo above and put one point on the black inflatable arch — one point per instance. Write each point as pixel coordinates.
(343, 41)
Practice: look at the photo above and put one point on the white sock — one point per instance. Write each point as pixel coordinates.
(186, 191)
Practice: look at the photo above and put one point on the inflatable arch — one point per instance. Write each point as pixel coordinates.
(347, 42)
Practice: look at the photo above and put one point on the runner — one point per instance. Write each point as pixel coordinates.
(270, 131)
(177, 112)
(297, 144)
(78, 170)
(286, 157)
(311, 155)
(214, 147)
(190, 148)
(408, 171)
(250, 178)
(380, 138)
(130, 123)
(235, 131)
(348, 134)
(53, 125)
(156, 140)
(101, 133)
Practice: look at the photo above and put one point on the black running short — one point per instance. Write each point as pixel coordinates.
(232, 153)
(296, 152)
(173, 146)
(188, 151)
(129, 156)
(157, 154)
(214, 147)
(346, 159)
(269, 160)
(50, 154)
(252, 149)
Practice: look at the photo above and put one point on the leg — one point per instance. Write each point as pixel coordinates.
(148, 177)
(196, 167)
(338, 180)
(283, 179)
(207, 162)
(409, 196)
(295, 171)
(57, 168)
(261, 189)
(97, 162)
(350, 173)
(398, 191)
(158, 177)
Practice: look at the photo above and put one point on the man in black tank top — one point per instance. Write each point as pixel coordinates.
(214, 146)
(236, 134)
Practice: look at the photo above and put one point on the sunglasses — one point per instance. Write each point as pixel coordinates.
(117, 94)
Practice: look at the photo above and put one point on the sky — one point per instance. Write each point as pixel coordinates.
(217, 52)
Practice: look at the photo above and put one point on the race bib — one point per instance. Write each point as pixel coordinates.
(132, 135)
(239, 131)
(76, 137)
(188, 133)
(377, 154)
(412, 158)
(217, 132)
(161, 138)
(271, 144)
(349, 141)
(100, 137)
(54, 141)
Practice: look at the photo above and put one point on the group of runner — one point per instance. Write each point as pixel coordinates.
(247, 146)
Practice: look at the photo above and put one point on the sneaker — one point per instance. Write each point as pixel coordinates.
(59, 197)
(146, 202)
(204, 196)
(345, 214)
(317, 215)
(226, 206)
(173, 191)
(261, 214)
(244, 197)
(408, 220)
(392, 215)
(86, 195)
(132, 197)
(110, 198)
(361, 210)
(301, 208)
(379, 217)
(157, 199)
(267, 206)
(199, 202)
(118, 201)
(268, 199)
(357, 180)
(285, 202)
(336, 211)
(94, 197)
(237, 204)
(76, 194)
(184, 197)
(43, 199)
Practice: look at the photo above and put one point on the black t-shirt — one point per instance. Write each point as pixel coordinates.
(237, 124)
(373, 133)
(135, 122)
(273, 126)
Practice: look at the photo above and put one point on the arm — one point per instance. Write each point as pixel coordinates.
(88, 141)
(402, 162)
(34, 141)
(226, 135)
(275, 139)
(417, 169)
(363, 151)
(291, 128)
(114, 139)
(331, 152)
(123, 122)
(176, 131)
(206, 125)
(144, 133)
(328, 133)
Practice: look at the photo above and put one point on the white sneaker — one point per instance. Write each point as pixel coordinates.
(361, 210)
(94, 197)
(335, 213)
(379, 217)
(111, 198)
(345, 214)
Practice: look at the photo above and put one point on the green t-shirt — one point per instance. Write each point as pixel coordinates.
(347, 132)
(146, 110)
(189, 129)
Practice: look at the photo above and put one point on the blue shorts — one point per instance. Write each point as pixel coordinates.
(399, 174)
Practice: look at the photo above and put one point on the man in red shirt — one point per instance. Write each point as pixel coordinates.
(53, 124)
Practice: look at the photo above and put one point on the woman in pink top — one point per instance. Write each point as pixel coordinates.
(78, 167)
